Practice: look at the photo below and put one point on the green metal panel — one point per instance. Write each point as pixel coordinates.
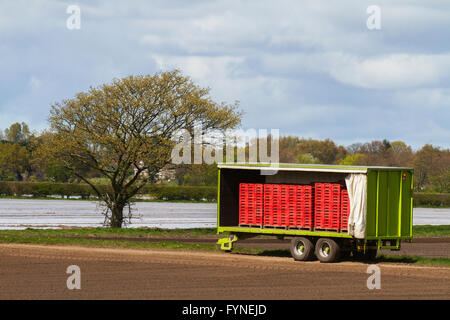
(389, 204)
(299, 166)
(283, 232)
(393, 216)
(383, 200)
(407, 193)
(372, 202)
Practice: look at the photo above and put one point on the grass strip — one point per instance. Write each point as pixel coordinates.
(119, 232)
(413, 260)
(431, 231)
(47, 240)
(418, 231)
(53, 238)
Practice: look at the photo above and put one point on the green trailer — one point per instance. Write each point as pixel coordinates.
(382, 205)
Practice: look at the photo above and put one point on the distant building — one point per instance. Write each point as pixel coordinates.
(166, 174)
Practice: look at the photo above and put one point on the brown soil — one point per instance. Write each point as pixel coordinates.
(429, 247)
(39, 272)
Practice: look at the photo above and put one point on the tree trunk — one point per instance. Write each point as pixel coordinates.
(19, 175)
(117, 215)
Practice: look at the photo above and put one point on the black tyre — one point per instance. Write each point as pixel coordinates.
(327, 250)
(302, 249)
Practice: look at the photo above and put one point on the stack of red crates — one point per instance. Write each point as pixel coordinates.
(327, 205)
(324, 206)
(345, 210)
(301, 210)
(251, 203)
(288, 205)
(275, 205)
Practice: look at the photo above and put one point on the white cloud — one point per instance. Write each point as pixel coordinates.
(389, 72)
(307, 67)
(431, 99)
(199, 67)
(392, 71)
(35, 84)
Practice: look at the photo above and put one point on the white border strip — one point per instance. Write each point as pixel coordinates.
(280, 168)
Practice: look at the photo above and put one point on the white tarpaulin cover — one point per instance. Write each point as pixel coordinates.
(357, 193)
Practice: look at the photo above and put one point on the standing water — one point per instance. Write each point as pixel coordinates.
(29, 213)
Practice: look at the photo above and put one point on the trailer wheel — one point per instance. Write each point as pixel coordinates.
(302, 249)
(327, 250)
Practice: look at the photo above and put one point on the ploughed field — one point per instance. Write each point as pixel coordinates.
(428, 247)
(39, 272)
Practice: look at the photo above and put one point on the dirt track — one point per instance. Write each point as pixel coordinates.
(39, 272)
(429, 247)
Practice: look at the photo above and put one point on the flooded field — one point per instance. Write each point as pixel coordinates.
(28, 213)
(19, 214)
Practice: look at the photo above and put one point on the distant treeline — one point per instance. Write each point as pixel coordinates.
(160, 192)
(84, 191)
(431, 199)
(21, 160)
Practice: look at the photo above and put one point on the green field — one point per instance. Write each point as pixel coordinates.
(431, 231)
(418, 231)
(109, 232)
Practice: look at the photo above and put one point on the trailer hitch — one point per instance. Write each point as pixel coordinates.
(226, 244)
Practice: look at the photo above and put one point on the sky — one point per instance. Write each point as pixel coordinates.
(308, 68)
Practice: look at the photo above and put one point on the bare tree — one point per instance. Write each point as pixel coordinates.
(123, 131)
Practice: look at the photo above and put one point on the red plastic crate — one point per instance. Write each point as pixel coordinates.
(345, 210)
(327, 203)
(288, 205)
(275, 205)
(251, 203)
(301, 210)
